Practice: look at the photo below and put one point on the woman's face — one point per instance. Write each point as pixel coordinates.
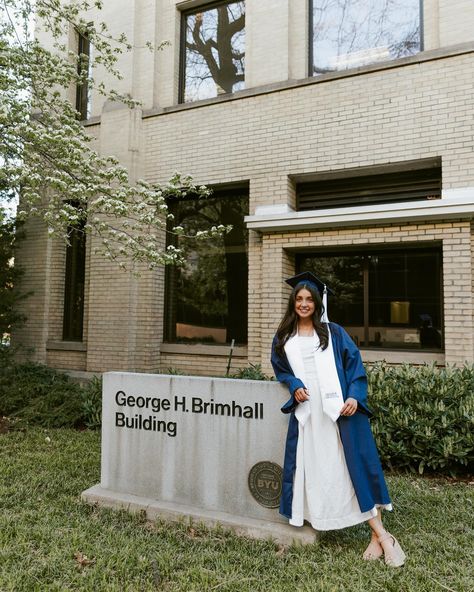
(304, 304)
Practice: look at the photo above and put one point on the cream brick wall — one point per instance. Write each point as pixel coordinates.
(418, 110)
(33, 255)
(456, 21)
(66, 360)
(405, 113)
(200, 365)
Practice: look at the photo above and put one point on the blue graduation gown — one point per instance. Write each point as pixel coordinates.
(358, 442)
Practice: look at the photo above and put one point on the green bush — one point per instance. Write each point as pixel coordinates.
(424, 416)
(36, 394)
(252, 372)
(91, 397)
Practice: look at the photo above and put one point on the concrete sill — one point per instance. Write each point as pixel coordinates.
(200, 349)
(66, 346)
(402, 356)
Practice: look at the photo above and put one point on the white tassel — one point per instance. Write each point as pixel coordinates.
(324, 316)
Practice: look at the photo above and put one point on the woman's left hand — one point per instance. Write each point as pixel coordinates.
(349, 407)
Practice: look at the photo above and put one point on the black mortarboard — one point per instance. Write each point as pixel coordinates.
(309, 278)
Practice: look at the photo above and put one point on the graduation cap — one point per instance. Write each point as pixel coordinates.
(306, 278)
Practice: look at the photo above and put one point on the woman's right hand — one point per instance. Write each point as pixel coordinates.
(301, 394)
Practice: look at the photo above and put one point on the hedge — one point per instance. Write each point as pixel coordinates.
(423, 415)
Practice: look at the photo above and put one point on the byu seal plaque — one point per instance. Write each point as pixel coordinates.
(265, 483)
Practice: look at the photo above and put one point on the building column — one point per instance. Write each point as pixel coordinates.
(458, 294)
(277, 265)
(124, 324)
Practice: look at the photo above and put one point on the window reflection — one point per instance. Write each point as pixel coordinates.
(207, 296)
(214, 51)
(352, 33)
(385, 299)
(74, 284)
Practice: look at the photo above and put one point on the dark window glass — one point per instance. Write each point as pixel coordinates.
(352, 33)
(206, 299)
(83, 67)
(385, 299)
(213, 51)
(74, 286)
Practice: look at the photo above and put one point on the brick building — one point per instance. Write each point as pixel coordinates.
(336, 139)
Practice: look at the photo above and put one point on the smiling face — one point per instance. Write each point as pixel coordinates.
(304, 304)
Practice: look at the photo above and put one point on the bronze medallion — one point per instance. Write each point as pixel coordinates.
(265, 480)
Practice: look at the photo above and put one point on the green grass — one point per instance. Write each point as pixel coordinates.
(43, 524)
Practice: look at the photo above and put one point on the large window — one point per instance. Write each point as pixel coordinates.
(213, 51)
(206, 299)
(83, 71)
(74, 285)
(384, 298)
(353, 33)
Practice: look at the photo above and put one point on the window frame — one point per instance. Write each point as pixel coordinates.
(74, 269)
(222, 191)
(182, 45)
(82, 90)
(311, 48)
(365, 251)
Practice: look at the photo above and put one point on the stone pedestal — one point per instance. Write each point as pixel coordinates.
(207, 448)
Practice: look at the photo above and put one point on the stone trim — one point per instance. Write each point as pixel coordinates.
(439, 209)
(66, 345)
(200, 349)
(400, 356)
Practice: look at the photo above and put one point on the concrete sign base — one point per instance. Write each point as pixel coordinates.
(210, 449)
(241, 525)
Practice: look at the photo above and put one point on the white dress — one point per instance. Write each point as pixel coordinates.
(323, 493)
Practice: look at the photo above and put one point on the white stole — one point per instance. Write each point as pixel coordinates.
(328, 379)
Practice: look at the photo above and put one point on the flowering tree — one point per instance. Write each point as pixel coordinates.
(46, 154)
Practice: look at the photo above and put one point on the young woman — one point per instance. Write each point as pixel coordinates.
(332, 475)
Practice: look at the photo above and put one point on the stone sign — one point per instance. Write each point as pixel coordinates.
(208, 448)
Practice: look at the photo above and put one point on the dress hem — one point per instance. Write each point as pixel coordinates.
(343, 522)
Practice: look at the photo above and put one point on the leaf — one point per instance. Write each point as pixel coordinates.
(82, 560)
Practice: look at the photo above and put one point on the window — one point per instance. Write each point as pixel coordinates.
(206, 299)
(213, 51)
(74, 285)
(385, 299)
(353, 33)
(83, 71)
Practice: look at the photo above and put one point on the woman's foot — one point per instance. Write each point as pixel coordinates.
(394, 555)
(374, 550)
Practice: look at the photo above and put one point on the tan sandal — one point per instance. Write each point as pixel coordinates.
(397, 557)
(374, 551)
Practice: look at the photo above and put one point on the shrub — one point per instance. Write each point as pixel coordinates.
(91, 397)
(39, 395)
(424, 416)
(252, 372)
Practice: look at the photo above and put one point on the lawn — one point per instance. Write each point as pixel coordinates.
(50, 540)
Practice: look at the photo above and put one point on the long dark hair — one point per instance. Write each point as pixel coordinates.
(289, 323)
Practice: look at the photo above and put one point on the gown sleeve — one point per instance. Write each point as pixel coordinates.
(356, 377)
(284, 374)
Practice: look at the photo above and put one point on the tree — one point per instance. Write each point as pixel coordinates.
(46, 153)
(8, 277)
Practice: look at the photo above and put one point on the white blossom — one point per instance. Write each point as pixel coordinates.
(46, 152)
